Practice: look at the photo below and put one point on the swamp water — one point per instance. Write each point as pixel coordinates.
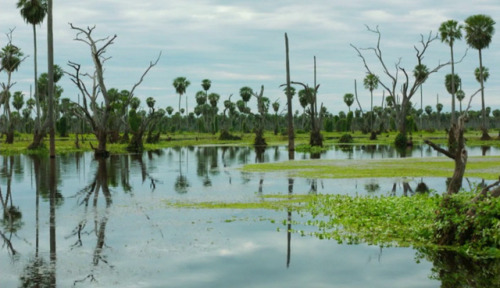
(108, 225)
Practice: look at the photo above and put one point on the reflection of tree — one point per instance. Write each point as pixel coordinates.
(38, 272)
(11, 216)
(181, 182)
(144, 171)
(289, 226)
(90, 195)
(207, 163)
(422, 187)
(372, 187)
(406, 189)
(457, 270)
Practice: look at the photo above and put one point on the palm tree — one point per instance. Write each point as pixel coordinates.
(180, 84)
(246, 93)
(371, 83)
(18, 100)
(460, 96)
(348, 100)
(11, 57)
(485, 74)
(479, 31)
(451, 31)
(33, 12)
(206, 83)
(452, 82)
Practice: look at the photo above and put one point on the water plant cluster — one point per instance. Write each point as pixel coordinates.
(384, 221)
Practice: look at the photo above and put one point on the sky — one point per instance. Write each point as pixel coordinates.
(241, 43)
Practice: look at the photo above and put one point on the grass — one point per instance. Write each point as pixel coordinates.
(67, 144)
(487, 167)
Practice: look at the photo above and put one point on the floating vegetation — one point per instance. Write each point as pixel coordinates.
(485, 167)
(382, 221)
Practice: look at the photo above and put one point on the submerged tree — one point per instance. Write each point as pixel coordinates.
(392, 83)
(97, 115)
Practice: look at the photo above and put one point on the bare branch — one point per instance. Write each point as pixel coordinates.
(151, 65)
(439, 149)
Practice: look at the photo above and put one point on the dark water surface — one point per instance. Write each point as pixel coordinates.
(107, 224)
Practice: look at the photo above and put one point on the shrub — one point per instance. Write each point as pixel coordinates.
(401, 141)
(346, 138)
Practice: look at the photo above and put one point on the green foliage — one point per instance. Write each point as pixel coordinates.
(134, 120)
(305, 148)
(329, 124)
(225, 135)
(62, 126)
(386, 221)
(401, 141)
(471, 225)
(346, 138)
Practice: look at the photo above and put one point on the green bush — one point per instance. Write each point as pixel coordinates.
(472, 225)
(401, 140)
(346, 138)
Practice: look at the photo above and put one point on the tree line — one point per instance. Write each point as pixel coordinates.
(117, 114)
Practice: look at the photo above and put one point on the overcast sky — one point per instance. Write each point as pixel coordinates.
(241, 43)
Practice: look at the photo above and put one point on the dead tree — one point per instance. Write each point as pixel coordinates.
(290, 130)
(392, 82)
(456, 150)
(262, 107)
(97, 115)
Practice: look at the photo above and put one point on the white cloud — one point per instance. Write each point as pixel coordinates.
(240, 43)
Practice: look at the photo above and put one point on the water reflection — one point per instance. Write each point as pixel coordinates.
(103, 207)
(456, 270)
(11, 220)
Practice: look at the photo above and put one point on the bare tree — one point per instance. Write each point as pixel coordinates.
(456, 149)
(393, 83)
(97, 115)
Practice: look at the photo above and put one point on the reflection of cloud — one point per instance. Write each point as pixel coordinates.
(243, 248)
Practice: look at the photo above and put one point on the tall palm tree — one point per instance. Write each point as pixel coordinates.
(371, 83)
(180, 84)
(33, 12)
(451, 31)
(479, 31)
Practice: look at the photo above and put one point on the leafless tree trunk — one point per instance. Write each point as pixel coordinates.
(391, 83)
(291, 136)
(95, 115)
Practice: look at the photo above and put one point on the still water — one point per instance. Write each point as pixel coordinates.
(108, 225)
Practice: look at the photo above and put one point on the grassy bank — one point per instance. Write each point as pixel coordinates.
(67, 144)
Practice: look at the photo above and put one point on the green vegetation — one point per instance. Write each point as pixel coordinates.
(383, 221)
(480, 167)
(182, 139)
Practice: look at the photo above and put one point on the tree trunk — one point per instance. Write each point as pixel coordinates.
(101, 151)
(136, 144)
(37, 140)
(291, 139)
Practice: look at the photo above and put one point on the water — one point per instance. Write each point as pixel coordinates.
(112, 227)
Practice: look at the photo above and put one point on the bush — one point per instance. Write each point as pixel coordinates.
(346, 138)
(401, 141)
(225, 135)
(473, 225)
